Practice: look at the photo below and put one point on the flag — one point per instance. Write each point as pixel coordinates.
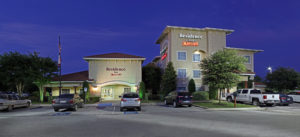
(59, 52)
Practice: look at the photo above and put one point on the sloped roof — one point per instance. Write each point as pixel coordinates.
(114, 55)
(77, 76)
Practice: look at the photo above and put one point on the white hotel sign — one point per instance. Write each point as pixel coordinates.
(190, 36)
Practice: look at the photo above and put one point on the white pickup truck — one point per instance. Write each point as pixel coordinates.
(255, 97)
(9, 102)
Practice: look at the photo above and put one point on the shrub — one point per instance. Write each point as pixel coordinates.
(192, 86)
(200, 95)
(93, 100)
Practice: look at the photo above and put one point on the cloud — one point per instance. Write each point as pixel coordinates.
(36, 36)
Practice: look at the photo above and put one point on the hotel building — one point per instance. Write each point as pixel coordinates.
(109, 76)
(185, 47)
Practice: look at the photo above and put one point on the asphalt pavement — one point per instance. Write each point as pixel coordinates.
(152, 121)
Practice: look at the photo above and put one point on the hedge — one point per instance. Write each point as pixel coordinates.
(200, 95)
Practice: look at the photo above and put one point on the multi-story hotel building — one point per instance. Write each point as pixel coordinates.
(185, 47)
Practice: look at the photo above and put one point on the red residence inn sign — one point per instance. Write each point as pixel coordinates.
(115, 71)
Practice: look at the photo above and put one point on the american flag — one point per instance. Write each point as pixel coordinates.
(59, 52)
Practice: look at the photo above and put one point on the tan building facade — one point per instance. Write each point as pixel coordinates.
(186, 47)
(109, 76)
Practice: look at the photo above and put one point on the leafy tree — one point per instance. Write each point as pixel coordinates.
(168, 82)
(15, 71)
(19, 71)
(43, 70)
(192, 86)
(257, 79)
(142, 90)
(151, 75)
(221, 69)
(283, 79)
(85, 84)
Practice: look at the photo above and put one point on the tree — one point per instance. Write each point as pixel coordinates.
(221, 69)
(151, 75)
(19, 71)
(257, 79)
(168, 82)
(85, 84)
(15, 71)
(283, 79)
(43, 70)
(142, 90)
(192, 86)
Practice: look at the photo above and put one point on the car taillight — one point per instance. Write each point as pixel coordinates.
(124, 100)
(53, 101)
(138, 99)
(265, 97)
(71, 101)
(180, 96)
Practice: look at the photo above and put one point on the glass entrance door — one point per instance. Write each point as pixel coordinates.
(107, 93)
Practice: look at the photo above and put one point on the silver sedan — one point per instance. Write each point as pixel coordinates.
(130, 100)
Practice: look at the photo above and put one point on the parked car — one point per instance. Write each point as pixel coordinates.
(295, 95)
(255, 97)
(9, 102)
(178, 99)
(67, 101)
(285, 100)
(130, 100)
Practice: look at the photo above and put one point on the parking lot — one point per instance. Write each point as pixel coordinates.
(153, 120)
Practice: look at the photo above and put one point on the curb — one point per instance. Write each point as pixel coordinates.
(231, 109)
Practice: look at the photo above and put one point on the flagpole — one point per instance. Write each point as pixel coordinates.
(59, 65)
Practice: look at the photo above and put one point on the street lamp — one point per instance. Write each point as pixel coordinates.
(270, 69)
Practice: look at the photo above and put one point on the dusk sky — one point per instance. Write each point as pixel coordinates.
(90, 27)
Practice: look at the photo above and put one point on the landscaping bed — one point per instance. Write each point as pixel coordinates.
(223, 104)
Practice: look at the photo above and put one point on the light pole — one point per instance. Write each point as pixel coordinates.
(270, 69)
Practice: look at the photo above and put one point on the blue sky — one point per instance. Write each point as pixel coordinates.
(89, 27)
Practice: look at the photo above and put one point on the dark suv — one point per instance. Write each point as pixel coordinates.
(67, 101)
(178, 99)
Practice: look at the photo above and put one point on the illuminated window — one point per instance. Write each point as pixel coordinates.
(196, 73)
(65, 91)
(248, 59)
(181, 55)
(181, 73)
(196, 57)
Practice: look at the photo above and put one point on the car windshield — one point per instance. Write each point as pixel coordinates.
(183, 94)
(130, 96)
(66, 96)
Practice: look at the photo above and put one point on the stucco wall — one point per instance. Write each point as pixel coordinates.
(129, 71)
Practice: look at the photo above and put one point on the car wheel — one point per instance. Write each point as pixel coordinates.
(190, 105)
(139, 108)
(175, 104)
(255, 102)
(28, 105)
(269, 105)
(75, 108)
(10, 108)
(166, 103)
(121, 108)
(56, 110)
(229, 99)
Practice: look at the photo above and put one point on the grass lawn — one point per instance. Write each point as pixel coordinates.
(224, 104)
